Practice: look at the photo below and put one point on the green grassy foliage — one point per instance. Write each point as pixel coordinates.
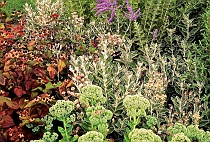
(17, 5)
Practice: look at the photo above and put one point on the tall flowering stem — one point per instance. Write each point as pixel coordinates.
(107, 5)
(131, 15)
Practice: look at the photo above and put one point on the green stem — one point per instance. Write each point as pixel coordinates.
(129, 26)
(66, 134)
(134, 120)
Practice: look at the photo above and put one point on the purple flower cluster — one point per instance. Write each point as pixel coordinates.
(106, 5)
(131, 15)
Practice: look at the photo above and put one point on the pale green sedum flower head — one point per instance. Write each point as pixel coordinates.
(62, 110)
(136, 105)
(91, 136)
(180, 137)
(92, 95)
(177, 128)
(143, 135)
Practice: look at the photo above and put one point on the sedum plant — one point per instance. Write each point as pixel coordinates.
(97, 117)
(143, 135)
(191, 132)
(135, 106)
(91, 136)
(47, 137)
(61, 111)
(180, 137)
(177, 128)
(92, 95)
(194, 133)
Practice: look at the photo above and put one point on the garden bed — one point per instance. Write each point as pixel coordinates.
(105, 70)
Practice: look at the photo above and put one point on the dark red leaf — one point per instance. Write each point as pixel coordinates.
(2, 139)
(18, 91)
(28, 84)
(9, 111)
(4, 94)
(22, 103)
(39, 72)
(19, 72)
(2, 79)
(6, 122)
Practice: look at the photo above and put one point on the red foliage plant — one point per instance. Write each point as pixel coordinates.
(19, 78)
(28, 72)
(21, 73)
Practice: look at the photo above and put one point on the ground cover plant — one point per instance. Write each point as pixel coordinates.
(105, 70)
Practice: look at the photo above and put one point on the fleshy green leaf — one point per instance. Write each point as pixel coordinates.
(61, 130)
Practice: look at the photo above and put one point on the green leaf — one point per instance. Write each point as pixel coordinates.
(92, 50)
(85, 126)
(69, 130)
(32, 63)
(34, 94)
(69, 125)
(61, 130)
(37, 88)
(49, 86)
(62, 140)
(4, 99)
(58, 84)
(126, 139)
(74, 138)
(49, 53)
(32, 103)
(73, 40)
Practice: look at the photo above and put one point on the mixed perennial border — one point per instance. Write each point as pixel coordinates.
(105, 70)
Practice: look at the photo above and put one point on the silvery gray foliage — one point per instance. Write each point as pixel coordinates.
(117, 78)
(40, 16)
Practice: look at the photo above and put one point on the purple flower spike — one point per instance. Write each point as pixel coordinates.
(155, 34)
(131, 15)
(107, 5)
